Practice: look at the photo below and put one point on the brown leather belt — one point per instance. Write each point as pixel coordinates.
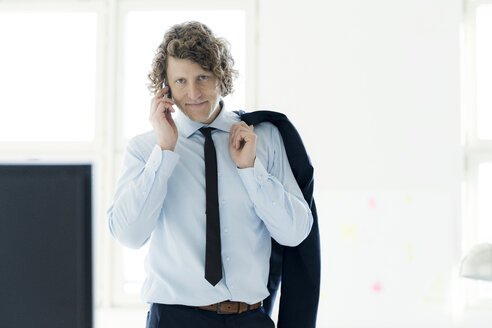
(228, 307)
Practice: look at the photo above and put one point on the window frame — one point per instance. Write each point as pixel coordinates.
(93, 152)
(476, 151)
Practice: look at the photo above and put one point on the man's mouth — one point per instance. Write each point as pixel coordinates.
(196, 104)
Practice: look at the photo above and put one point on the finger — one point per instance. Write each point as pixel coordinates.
(158, 96)
(162, 92)
(167, 103)
(242, 129)
(168, 109)
(238, 141)
(239, 134)
(243, 124)
(239, 138)
(159, 108)
(169, 119)
(156, 102)
(249, 127)
(246, 135)
(168, 100)
(231, 134)
(162, 109)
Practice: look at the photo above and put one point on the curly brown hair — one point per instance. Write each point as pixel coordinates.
(196, 42)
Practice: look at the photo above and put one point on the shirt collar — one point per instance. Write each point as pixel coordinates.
(223, 121)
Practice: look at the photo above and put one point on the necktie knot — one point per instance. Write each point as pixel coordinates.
(207, 132)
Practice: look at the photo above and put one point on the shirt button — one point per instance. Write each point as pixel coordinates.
(218, 174)
(228, 258)
(226, 230)
(223, 201)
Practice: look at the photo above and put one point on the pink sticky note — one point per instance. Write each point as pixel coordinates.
(372, 203)
(376, 287)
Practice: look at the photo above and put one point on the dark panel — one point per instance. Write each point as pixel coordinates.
(45, 246)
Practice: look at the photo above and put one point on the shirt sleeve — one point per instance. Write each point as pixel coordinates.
(277, 199)
(140, 193)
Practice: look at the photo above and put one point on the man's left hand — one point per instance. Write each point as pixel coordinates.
(242, 145)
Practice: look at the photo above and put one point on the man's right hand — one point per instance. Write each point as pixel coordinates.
(160, 117)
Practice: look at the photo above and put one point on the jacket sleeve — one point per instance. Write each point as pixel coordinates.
(140, 193)
(277, 199)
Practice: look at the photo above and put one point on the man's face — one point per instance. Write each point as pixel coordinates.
(195, 91)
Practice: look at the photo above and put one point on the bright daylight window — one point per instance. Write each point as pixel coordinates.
(143, 32)
(484, 71)
(48, 76)
(478, 113)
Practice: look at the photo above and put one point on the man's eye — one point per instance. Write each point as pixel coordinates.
(180, 81)
(203, 77)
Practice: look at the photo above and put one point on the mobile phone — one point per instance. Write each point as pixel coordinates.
(167, 95)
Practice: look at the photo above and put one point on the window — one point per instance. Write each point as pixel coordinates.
(78, 93)
(51, 108)
(477, 118)
(483, 29)
(48, 78)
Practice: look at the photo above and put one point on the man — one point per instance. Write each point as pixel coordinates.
(207, 191)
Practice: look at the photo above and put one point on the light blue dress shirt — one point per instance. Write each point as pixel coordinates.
(160, 198)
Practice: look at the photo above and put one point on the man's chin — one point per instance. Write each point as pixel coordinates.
(198, 118)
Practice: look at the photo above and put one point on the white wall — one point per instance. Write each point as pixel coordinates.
(373, 87)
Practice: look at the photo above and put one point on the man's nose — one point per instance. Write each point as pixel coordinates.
(194, 92)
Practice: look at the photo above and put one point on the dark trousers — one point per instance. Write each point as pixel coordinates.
(179, 316)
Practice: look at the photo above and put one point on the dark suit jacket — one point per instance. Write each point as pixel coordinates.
(297, 267)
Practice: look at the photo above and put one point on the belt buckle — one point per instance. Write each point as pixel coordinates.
(219, 311)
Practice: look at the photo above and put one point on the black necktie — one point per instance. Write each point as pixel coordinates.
(213, 258)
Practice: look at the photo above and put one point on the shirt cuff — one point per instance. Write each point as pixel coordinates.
(254, 177)
(158, 156)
